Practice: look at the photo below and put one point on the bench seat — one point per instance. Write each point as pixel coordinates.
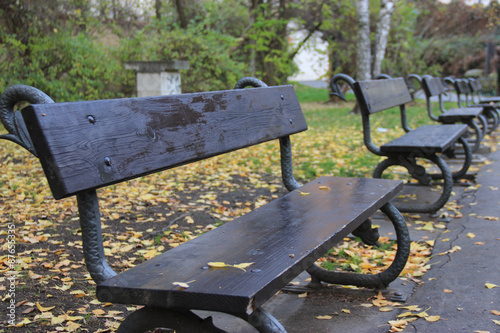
(280, 239)
(494, 99)
(428, 138)
(460, 114)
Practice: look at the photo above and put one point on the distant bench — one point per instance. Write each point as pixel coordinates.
(426, 142)
(491, 108)
(434, 87)
(83, 146)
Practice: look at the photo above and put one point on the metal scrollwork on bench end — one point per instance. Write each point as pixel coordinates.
(12, 120)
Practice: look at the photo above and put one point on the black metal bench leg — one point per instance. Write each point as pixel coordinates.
(478, 133)
(380, 280)
(264, 322)
(146, 319)
(465, 166)
(492, 118)
(420, 208)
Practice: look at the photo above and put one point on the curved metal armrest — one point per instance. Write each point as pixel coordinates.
(12, 120)
(382, 76)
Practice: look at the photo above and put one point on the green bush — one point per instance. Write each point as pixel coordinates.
(66, 66)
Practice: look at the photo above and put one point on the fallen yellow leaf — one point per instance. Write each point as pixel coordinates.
(325, 188)
(181, 284)
(422, 314)
(411, 307)
(42, 309)
(432, 318)
(495, 312)
(57, 320)
(490, 285)
(98, 312)
(448, 291)
(401, 323)
(243, 265)
(324, 317)
(471, 235)
(346, 311)
(216, 264)
(428, 226)
(386, 309)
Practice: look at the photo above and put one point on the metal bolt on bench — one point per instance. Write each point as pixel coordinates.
(83, 146)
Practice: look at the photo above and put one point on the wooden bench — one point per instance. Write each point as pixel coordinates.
(433, 86)
(491, 109)
(478, 92)
(83, 146)
(425, 142)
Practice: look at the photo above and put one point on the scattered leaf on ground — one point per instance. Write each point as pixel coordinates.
(324, 317)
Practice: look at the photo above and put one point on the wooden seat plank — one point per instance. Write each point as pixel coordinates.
(460, 114)
(281, 239)
(87, 145)
(428, 138)
(494, 99)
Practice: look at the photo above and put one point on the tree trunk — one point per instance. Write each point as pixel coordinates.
(179, 5)
(158, 9)
(381, 35)
(363, 49)
(363, 58)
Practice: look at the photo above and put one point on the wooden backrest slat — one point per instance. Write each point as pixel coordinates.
(87, 145)
(462, 87)
(378, 95)
(474, 85)
(433, 86)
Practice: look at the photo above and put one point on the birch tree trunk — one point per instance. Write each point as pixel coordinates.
(381, 35)
(363, 58)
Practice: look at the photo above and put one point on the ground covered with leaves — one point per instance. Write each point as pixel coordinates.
(147, 216)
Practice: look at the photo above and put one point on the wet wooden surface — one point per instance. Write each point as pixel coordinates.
(86, 145)
(280, 239)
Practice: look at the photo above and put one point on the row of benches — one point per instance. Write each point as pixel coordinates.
(84, 146)
(458, 134)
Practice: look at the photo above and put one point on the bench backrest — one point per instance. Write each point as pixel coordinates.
(378, 95)
(461, 86)
(87, 145)
(433, 86)
(474, 85)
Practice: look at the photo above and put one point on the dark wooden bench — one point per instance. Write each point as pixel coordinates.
(433, 87)
(83, 146)
(425, 142)
(491, 109)
(478, 92)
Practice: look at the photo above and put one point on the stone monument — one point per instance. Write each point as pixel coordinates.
(156, 78)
